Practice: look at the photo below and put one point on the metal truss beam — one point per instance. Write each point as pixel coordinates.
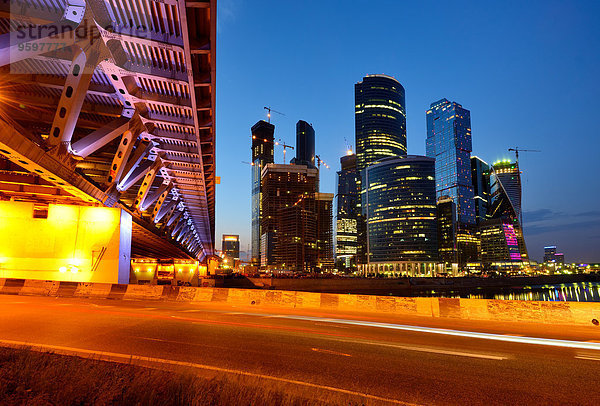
(146, 184)
(135, 175)
(160, 209)
(158, 196)
(142, 150)
(76, 86)
(99, 138)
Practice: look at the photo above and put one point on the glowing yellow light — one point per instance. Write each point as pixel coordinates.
(74, 269)
(149, 269)
(349, 152)
(63, 269)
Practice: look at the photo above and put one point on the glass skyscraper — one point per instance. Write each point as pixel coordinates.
(480, 174)
(348, 193)
(305, 145)
(449, 142)
(399, 205)
(505, 180)
(380, 119)
(262, 154)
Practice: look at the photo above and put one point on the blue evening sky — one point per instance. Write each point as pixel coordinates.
(529, 72)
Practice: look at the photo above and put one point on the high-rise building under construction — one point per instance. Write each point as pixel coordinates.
(296, 220)
(262, 154)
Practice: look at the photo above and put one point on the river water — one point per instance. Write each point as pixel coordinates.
(569, 292)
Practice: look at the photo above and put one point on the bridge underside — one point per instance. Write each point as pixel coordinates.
(112, 103)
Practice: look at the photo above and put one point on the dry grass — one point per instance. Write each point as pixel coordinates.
(34, 378)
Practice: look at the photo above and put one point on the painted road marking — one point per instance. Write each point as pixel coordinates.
(129, 358)
(148, 308)
(458, 333)
(190, 311)
(330, 352)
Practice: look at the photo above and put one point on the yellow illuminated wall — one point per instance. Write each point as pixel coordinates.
(74, 243)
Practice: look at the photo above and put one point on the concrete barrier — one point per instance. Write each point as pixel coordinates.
(143, 292)
(40, 288)
(93, 290)
(563, 313)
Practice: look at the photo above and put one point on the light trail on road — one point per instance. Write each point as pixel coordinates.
(376, 355)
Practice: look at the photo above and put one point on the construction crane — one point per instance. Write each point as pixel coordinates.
(285, 146)
(516, 150)
(269, 110)
(320, 161)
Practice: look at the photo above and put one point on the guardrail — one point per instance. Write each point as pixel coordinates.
(565, 313)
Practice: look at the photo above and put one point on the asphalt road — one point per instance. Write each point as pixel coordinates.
(416, 361)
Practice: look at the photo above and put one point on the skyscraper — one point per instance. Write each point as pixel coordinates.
(230, 245)
(446, 220)
(449, 142)
(480, 175)
(458, 247)
(262, 154)
(305, 145)
(296, 222)
(348, 195)
(324, 209)
(380, 119)
(505, 180)
(550, 253)
(499, 244)
(399, 205)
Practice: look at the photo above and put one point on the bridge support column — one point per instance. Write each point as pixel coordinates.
(65, 243)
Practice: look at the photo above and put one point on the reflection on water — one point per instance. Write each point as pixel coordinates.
(568, 292)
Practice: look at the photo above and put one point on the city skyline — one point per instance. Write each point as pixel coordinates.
(507, 111)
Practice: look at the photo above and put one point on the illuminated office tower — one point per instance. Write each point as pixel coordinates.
(458, 248)
(262, 154)
(380, 119)
(399, 205)
(550, 253)
(499, 244)
(446, 219)
(348, 195)
(449, 142)
(559, 258)
(480, 175)
(505, 180)
(230, 245)
(296, 222)
(324, 213)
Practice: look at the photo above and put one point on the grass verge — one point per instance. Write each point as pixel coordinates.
(40, 378)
